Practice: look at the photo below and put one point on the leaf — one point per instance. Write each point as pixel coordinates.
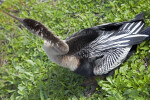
(143, 43)
(21, 88)
(19, 68)
(109, 79)
(142, 67)
(41, 95)
(30, 62)
(145, 48)
(131, 92)
(123, 69)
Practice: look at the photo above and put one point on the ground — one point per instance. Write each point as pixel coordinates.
(27, 74)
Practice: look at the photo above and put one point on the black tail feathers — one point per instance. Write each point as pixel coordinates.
(140, 16)
(146, 31)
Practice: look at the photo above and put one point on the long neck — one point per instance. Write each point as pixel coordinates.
(58, 46)
(68, 61)
(55, 48)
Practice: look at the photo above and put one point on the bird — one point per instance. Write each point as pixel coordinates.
(94, 51)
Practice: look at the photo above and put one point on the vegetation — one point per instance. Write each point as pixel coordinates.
(26, 73)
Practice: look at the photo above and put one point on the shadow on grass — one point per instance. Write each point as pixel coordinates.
(59, 83)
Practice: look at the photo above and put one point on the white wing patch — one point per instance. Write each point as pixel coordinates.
(111, 60)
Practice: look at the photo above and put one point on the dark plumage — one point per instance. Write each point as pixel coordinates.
(92, 51)
(108, 46)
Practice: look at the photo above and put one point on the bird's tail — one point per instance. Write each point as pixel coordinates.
(146, 31)
(139, 16)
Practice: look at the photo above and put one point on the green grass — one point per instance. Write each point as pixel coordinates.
(26, 73)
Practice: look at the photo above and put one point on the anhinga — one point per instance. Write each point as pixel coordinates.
(93, 51)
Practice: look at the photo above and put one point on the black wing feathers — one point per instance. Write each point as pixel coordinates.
(146, 32)
(77, 42)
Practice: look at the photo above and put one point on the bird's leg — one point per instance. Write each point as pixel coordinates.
(89, 81)
(93, 85)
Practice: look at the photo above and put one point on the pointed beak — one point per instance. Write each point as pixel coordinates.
(19, 19)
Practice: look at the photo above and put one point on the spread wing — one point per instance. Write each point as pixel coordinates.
(113, 48)
(110, 45)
